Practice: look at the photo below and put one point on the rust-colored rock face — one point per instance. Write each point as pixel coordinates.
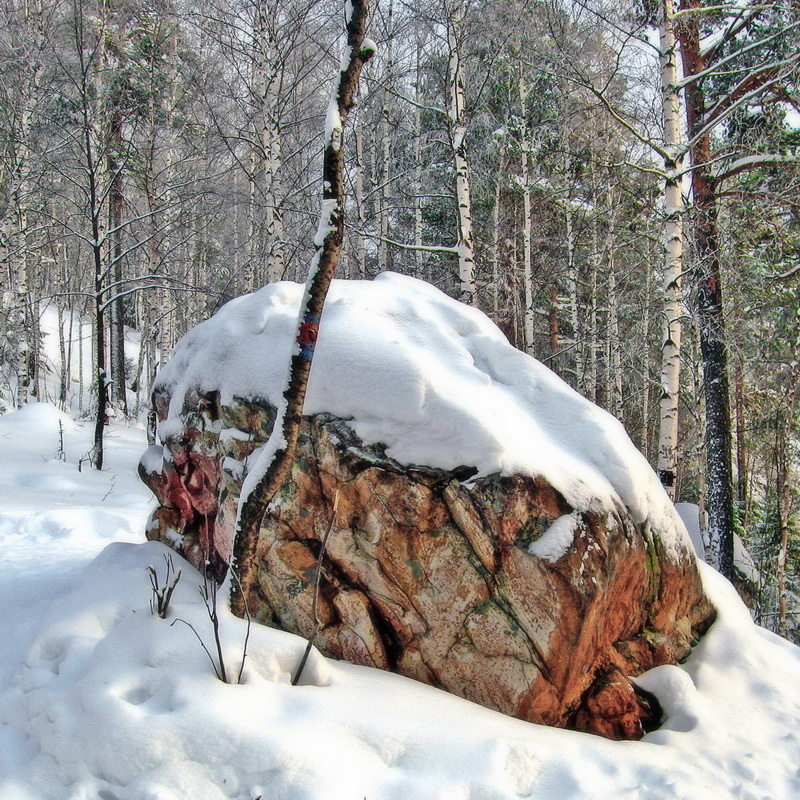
(435, 577)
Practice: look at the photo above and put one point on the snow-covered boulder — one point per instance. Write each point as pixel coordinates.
(496, 535)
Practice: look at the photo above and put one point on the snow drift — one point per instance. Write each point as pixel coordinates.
(100, 700)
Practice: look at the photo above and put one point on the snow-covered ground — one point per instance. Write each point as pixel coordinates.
(100, 700)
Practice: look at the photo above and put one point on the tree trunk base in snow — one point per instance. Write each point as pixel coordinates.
(467, 586)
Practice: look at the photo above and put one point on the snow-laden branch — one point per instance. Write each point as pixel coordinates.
(403, 246)
(753, 162)
(159, 281)
(736, 57)
(414, 103)
(729, 103)
(724, 7)
(736, 26)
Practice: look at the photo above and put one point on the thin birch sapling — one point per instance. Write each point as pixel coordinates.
(272, 468)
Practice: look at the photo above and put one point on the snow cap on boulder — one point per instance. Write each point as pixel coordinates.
(432, 379)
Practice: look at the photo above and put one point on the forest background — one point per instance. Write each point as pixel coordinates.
(590, 174)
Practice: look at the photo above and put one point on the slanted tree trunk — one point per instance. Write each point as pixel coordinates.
(270, 472)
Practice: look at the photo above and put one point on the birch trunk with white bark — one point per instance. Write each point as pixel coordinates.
(645, 337)
(527, 254)
(458, 131)
(673, 253)
(361, 210)
(572, 294)
(592, 347)
(419, 256)
(266, 247)
(24, 313)
(614, 360)
(386, 155)
(496, 244)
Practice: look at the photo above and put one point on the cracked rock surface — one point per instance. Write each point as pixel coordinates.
(493, 589)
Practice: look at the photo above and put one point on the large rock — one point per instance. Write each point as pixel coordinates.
(501, 588)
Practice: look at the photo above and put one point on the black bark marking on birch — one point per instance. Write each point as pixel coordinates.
(255, 506)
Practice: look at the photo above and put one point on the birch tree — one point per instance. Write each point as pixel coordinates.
(742, 62)
(268, 142)
(27, 34)
(89, 164)
(705, 112)
(673, 250)
(458, 132)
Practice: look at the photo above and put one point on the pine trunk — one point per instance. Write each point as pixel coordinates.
(708, 285)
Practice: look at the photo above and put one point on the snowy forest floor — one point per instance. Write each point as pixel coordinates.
(101, 700)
